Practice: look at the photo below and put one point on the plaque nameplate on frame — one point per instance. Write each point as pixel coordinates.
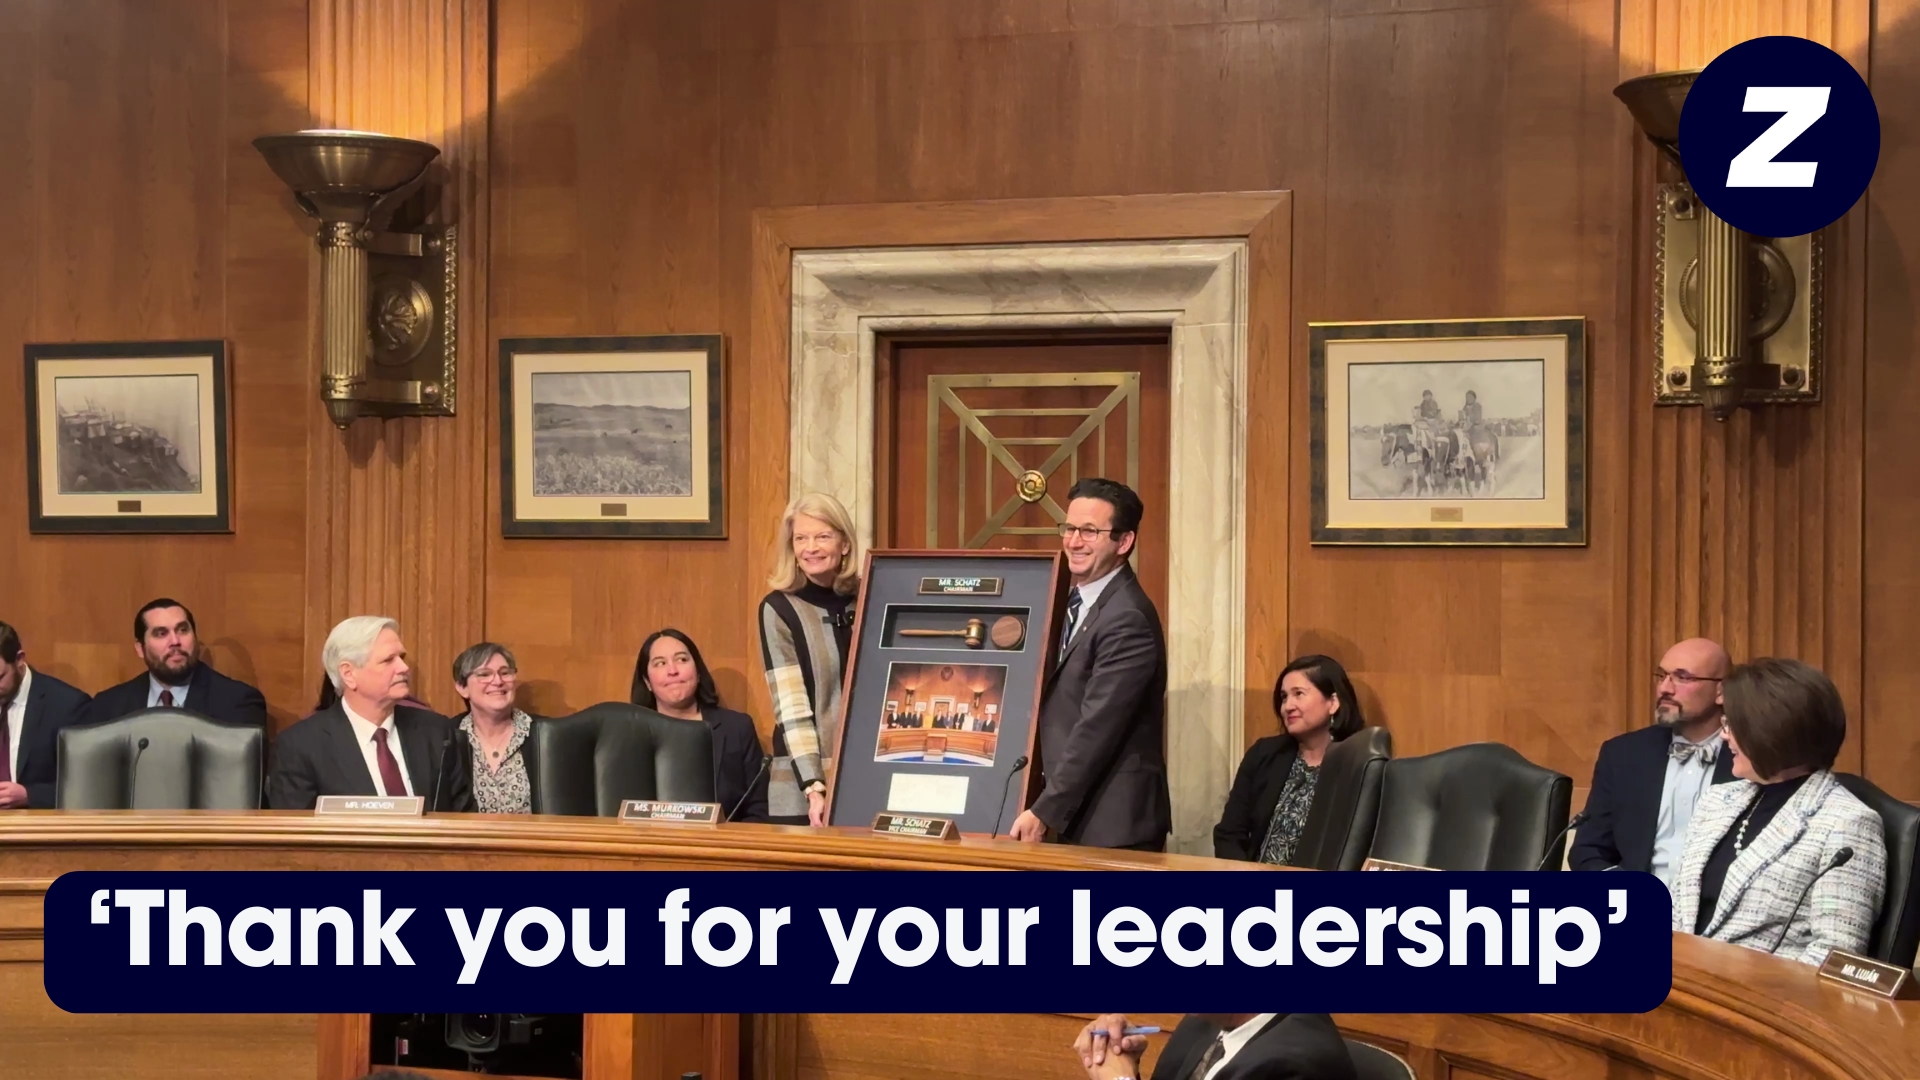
(1866, 973)
(371, 805)
(959, 586)
(926, 828)
(670, 813)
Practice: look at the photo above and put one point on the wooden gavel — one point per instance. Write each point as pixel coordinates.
(975, 634)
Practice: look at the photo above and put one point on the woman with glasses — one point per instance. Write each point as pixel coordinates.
(494, 741)
(672, 679)
(1783, 859)
(806, 627)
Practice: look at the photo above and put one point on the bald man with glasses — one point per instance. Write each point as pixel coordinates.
(1646, 782)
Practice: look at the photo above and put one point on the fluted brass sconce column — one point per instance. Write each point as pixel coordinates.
(1736, 318)
(387, 298)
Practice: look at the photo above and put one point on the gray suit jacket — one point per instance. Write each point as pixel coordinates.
(1103, 765)
(1768, 877)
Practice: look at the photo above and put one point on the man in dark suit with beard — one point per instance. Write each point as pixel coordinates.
(166, 640)
(1240, 1046)
(1102, 763)
(34, 706)
(367, 743)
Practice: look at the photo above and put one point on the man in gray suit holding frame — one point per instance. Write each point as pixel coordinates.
(1102, 741)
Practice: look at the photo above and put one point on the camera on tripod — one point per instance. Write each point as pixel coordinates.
(519, 1044)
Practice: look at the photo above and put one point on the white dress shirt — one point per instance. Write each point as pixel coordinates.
(16, 720)
(154, 686)
(1089, 595)
(1237, 1039)
(1679, 793)
(363, 730)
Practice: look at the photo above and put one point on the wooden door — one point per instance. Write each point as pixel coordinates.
(980, 438)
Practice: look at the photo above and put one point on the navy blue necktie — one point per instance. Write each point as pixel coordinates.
(1073, 620)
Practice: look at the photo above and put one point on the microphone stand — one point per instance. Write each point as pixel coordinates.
(1579, 819)
(1840, 859)
(766, 762)
(133, 771)
(1006, 788)
(440, 774)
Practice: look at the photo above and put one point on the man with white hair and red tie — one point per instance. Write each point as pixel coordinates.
(367, 742)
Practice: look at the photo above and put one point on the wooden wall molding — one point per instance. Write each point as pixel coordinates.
(1752, 531)
(397, 512)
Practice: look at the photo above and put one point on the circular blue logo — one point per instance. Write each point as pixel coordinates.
(1779, 136)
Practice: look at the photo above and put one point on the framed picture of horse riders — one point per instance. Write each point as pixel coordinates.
(1468, 431)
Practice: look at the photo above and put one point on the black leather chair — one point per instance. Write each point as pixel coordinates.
(1475, 807)
(1897, 934)
(591, 762)
(1346, 802)
(1372, 1063)
(190, 762)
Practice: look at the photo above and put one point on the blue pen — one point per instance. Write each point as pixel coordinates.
(1148, 1029)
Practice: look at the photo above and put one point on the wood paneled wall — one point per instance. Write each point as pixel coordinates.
(1445, 161)
(134, 209)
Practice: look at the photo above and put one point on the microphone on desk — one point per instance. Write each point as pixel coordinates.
(440, 773)
(766, 762)
(1840, 859)
(133, 771)
(1579, 819)
(1006, 788)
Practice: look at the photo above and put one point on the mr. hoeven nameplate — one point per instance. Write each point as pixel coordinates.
(371, 805)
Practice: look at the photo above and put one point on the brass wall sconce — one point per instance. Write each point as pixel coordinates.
(387, 297)
(1737, 318)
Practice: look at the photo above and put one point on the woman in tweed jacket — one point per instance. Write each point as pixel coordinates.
(806, 626)
(1757, 843)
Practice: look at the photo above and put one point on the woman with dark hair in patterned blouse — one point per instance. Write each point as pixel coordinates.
(494, 733)
(1273, 789)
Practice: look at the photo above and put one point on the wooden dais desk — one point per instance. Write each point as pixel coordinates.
(1734, 1014)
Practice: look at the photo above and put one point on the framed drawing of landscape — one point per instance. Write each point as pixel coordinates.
(1469, 431)
(611, 436)
(128, 437)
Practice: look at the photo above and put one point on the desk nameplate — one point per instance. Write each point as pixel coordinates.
(1872, 976)
(410, 806)
(926, 828)
(960, 586)
(660, 812)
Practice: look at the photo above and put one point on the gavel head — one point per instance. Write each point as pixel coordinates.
(976, 635)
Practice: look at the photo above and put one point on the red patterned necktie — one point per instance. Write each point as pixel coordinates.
(389, 768)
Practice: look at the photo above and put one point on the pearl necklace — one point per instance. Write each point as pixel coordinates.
(1740, 838)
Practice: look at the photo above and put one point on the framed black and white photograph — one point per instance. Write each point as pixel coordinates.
(1449, 432)
(127, 437)
(616, 436)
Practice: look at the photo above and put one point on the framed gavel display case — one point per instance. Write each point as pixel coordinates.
(950, 657)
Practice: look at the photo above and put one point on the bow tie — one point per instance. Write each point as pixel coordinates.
(1684, 752)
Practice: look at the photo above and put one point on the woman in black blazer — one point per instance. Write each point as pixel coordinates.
(1267, 809)
(670, 678)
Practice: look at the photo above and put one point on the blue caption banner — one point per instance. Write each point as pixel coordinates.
(857, 942)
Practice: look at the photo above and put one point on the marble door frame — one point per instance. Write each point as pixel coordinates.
(841, 298)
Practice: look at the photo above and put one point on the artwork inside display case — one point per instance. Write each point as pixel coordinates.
(949, 661)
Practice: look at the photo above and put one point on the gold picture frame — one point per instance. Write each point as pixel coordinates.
(1450, 432)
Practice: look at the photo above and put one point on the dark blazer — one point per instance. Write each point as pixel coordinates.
(1256, 791)
(737, 755)
(1293, 1046)
(1103, 766)
(1623, 807)
(319, 756)
(51, 705)
(209, 693)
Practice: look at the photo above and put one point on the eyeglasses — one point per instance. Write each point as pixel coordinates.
(1087, 532)
(504, 675)
(1682, 678)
